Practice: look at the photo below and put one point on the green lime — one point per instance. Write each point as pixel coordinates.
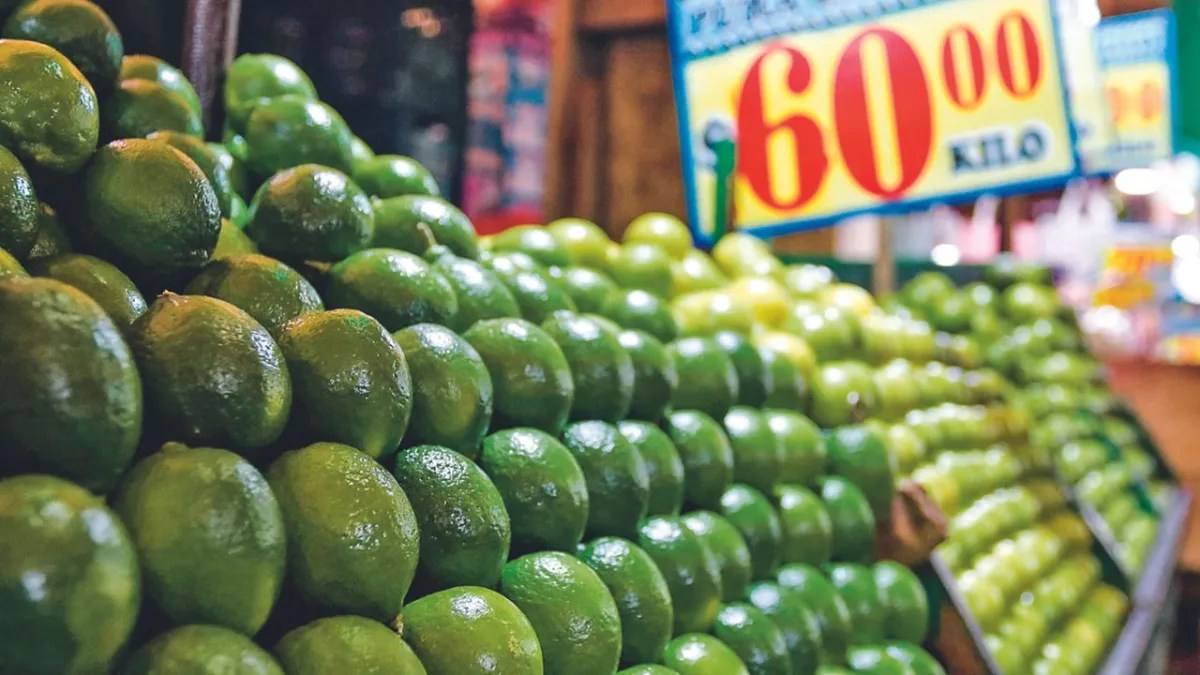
(346, 644)
(875, 660)
(149, 206)
(534, 241)
(531, 380)
(797, 622)
(352, 535)
(395, 228)
(10, 266)
(817, 593)
(663, 466)
(471, 631)
(641, 593)
(804, 455)
(454, 406)
(707, 457)
(544, 490)
(599, 366)
(757, 453)
(70, 393)
(385, 176)
(856, 585)
(269, 291)
(905, 605)
(51, 239)
(708, 380)
(178, 504)
(787, 385)
(208, 161)
(450, 227)
(588, 288)
(395, 287)
(232, 242)
(570, 609)
(617, 483)
(238, 181)
(921, 662)
(288, 131)
(253, 77)
(853, 522)
(102, 282)
(648, 669)
(361, 152)
(663, 230)
(212, 374)
(19, 209)
(49, 116)
(138, 108)
(639, 310)
(586, 244)
(480, 292)
(860, 454)
(690, 568)
(807, 528)
(351, 382)
(654, 376)
(758, 522)
(644, 266)
(311, 212)
(755, 637)
(842, 393)
(729, 548)
(79, 29)
(146, 67)
(189, 650)
(753, 377)
(78, 615)
(699, 654)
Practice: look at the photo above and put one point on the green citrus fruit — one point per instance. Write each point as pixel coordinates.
(385, 176)
(146, 67)
(49, 116)
(288, 131)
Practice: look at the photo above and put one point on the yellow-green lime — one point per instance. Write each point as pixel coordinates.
(79, 29)
(352, 547)
(254, 77)
(70, 393)
(346, 644)
(586, 244)
(178, 504)
(588, 288)
(102, 282)
(452, 406)
(78, 615)
(49, 116)
(350, 379)
(648, 669)
(212, 374)
(149, 206)
(10, 266)
(570, 609)
(386, 176)
(194, 649)
(639, 310)
(146, 67)
(699, 654)
(663, 230)
(544, 490)
(644, 266)
(531, 380)
(471, 631)
(19, 209)
(138, 108)
(288, 131)
(641, 594)
(269, 291)
(535, 241)
(208, 161)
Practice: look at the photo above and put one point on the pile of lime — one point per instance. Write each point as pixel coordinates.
(270, 405)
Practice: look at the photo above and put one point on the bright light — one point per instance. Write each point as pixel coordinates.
(1186, 278)
(1186, 246)
(1182, 203)
(945, 255)
(1137, 182)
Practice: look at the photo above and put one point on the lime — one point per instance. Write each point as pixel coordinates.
(81, 611)
(79, 29)
(394, 228)
(787, 387)
(640, 591)
(352, 534)
(755, 638)
(853, 522)
(346, 644)
(289, 131)
(471, 631)
(817, 593)
(690, 568)
(905, 605)
(49, 116)
(208, 161)
(146, 67)
(617, 482)
(757, 453)
(196, 649)
(758, 522)
(360, 152)
(530, 376)
(643, 266)
(19, 209)
(654, 375)
(51, 237)
(804, 455)
(639, 310)
(739, 251)
(105, 284)
(311, 212)
(253, 77)
(697, 272)
(699, 654)
(269, 291)
(232, 242)
(395, 287)
(599, 366)
(585, 243)
(456, 414)
(238, 181)
(538, 297)
(481, 294)
(150, 206)
(450, 227)
(177, 504)
(797, 622)
(386, 176)
(708, 380)
(856, 585)
(544, 489)
(535, 241)
(807, 528)
(663, 466)
(663, 230)
(588, 288)
(10, 266)
(727, 546)
(791, 347)
(138, 108)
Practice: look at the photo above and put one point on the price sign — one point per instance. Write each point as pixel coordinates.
(797, 114)
(1137, 57)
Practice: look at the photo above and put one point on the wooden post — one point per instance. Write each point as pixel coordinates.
(209, 45)
(884, 278)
